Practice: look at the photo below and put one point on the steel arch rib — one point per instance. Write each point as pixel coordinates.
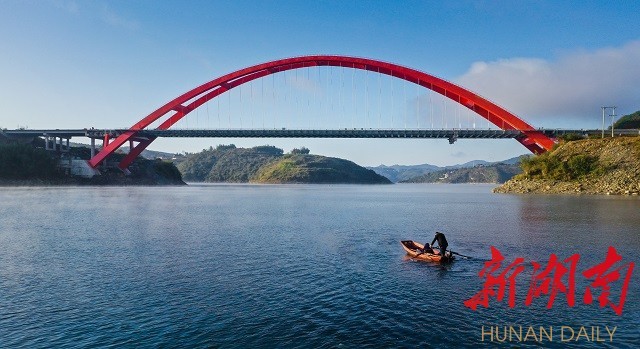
(532, 139)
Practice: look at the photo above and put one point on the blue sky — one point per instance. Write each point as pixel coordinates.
(107, 64)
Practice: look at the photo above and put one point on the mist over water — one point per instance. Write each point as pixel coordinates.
(292, 265)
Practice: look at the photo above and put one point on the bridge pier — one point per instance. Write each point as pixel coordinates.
(105, 140)
(105, 143)
(93, 147)
(57, 143)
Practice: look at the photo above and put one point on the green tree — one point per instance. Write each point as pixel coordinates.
(22, 161)
(628, 121)
(303, 151)
(268, 149)
(223, 147)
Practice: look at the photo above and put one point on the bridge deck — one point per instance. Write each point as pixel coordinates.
(299, 133)
(343, 133)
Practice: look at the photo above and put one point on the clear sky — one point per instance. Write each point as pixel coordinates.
(107, 64)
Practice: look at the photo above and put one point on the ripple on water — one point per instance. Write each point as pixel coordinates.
(295, 266)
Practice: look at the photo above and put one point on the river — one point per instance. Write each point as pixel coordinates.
(318, 266)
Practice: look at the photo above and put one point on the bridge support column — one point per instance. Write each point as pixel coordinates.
(55, 139)
(105, 143)
(46, 142)
(93, 147)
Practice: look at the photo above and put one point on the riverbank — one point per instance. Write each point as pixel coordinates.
(150, 176)
(609, 166)
(30, 165)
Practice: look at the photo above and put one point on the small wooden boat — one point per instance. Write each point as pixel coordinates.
(414, 250)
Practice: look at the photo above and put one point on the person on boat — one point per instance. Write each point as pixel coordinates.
(426, 248)
(442, 242)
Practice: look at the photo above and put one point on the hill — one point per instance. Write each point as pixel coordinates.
(227, 163)
(398, 173)
(267, 164)
(25, 162)
(405, 173)
(30, 164)
(628, 121)
(590, 166)
(493, 173)
(303, 168)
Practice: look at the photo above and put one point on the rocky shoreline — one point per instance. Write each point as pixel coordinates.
(546, 186)
(618, 170)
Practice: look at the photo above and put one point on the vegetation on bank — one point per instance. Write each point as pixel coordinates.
(24, 162)
(594, 166)
(552, 166)
(268, 164)
(28, 164)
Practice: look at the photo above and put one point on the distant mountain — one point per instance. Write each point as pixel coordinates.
(397, 173)
(514, 161)
(401, 173)
(492, 173)
(472, 163)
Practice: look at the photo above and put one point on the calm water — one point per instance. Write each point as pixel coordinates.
(291, 266)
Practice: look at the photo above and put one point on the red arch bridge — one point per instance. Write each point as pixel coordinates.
(140, 135)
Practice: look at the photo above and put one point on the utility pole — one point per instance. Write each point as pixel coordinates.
(603, 112)
(612, 117)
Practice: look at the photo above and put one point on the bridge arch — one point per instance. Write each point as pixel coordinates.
(534, 140)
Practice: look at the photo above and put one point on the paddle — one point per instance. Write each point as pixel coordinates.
(461, 255)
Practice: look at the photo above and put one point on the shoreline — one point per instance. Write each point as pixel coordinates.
(609, 166)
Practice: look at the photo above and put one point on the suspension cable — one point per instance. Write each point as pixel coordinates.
(404, 102)
(418, 105)
(379, 99)
(353, 98)
(241, 109)
(431, 105)
(392, 100)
